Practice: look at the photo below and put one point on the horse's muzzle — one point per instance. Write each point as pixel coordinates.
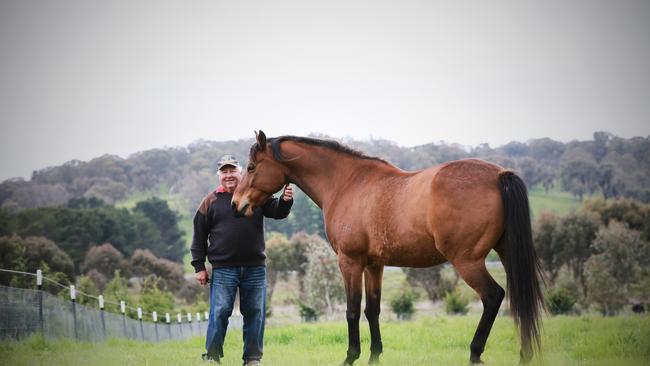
(238, 213)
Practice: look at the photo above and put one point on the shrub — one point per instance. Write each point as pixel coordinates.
(104, 258)
(145, 263)
(455, 303)
(152, 298)
(402, 305)
(560, 301)
(98, 279)
(307, 313)
(86, 285)
(190, 291)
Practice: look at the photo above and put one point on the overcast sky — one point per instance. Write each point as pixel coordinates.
(81, 78)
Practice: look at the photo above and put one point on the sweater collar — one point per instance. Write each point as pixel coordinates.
(220, 189)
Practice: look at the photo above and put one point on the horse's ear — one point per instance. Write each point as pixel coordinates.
(261, 139)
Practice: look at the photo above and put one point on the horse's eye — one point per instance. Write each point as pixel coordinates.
(250, 167)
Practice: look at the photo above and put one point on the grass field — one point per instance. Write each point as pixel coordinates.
(559, 202)
(435, 340)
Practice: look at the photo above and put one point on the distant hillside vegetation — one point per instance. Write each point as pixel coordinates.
(607, 165)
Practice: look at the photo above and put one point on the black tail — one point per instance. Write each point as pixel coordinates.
(523, 270)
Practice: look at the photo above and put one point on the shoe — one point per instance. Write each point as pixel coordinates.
(252, 363)
(210, 358)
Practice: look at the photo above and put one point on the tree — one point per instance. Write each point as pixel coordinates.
(7, 226)
(430, 279)
(104, 259)
(40, 250)
(605, 293)
(621, 260)
(166, 220)
(278, 256)
(575, 232)
(635, 214)
(284, 257)
(12, 252)
(323, 282)
(580, 176)
(29, 255)
(300, 246)
(548, 244)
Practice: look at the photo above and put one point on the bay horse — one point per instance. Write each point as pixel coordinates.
(378, 215)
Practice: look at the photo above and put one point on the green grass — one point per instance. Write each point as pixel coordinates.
(554, 200)
(433, 340)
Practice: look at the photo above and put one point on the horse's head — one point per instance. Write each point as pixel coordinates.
(263, 176)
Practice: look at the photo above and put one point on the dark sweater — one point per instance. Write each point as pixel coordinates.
(233, 241)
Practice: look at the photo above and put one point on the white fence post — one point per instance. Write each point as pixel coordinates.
(123, 310)
(101, 314)
(73, 298)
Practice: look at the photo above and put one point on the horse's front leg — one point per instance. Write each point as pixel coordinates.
(352, 272)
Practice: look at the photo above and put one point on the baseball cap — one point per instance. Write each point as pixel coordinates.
(228, 159)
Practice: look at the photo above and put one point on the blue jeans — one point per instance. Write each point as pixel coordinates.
(251, 282)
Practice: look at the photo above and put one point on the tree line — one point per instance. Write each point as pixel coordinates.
(82, 223)
(607, 164)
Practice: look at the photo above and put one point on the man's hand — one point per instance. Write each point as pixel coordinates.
(287, 195)
(203, 277)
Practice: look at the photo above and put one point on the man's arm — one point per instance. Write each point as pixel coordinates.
(199, 246)
(279, 208)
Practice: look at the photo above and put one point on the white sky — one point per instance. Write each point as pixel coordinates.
(81, 78)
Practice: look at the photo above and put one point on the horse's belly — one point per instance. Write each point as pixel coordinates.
(409, 255)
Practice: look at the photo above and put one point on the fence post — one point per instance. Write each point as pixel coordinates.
(73, 298)
(140, 319)
(101, 314)
(206, 315)
(39, 285)
(189, 323)
(155, 324)
(198, 322)
(169, 325)
(123, 310)
(180, 319)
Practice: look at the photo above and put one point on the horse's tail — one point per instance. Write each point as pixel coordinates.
(523, 271)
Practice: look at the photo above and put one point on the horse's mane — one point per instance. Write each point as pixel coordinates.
(328, 144)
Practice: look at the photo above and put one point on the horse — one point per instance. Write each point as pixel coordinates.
(378, 215)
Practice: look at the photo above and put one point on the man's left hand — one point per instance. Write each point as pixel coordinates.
(287, 195)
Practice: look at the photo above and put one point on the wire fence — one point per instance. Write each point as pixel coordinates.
(24, 312)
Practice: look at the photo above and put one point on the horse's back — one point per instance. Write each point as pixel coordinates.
(415, 210)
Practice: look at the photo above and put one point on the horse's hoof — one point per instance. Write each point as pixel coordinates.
(476, 361)
(373, 361)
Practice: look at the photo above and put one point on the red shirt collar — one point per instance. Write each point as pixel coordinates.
(220, 189)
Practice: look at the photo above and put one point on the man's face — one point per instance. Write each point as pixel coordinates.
(229, 177)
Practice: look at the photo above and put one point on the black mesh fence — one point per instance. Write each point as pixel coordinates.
(24, 312)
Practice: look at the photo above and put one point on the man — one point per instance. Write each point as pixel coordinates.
(236, 252)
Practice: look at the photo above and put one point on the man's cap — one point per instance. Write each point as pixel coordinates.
(228, 159)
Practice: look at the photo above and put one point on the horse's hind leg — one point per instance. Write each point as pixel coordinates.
(352, 271)
(491, 294)
(373, 279)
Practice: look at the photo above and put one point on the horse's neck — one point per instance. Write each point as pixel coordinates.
(323, 176)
